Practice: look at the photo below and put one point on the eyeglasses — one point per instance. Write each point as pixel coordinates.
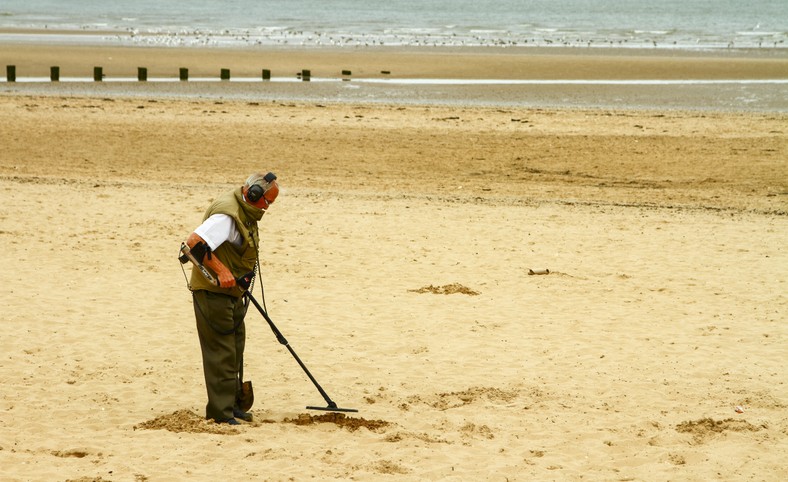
(270, 195)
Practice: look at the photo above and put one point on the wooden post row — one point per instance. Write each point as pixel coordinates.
(142, 74)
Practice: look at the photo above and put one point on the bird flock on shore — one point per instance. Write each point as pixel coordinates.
(286, 37)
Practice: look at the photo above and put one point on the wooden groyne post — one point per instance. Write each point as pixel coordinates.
(54, 73)
(10, 73)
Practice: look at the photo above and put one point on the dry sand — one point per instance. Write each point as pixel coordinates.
(396, 262)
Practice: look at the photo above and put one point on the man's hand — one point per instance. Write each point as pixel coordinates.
(226, 280)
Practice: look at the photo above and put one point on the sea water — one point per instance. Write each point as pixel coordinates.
(672, 24)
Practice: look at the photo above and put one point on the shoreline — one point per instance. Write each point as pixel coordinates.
(307, 38)
(609, 78)
(765, 99)
(405, 62)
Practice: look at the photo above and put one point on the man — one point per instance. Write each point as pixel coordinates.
(227, 243)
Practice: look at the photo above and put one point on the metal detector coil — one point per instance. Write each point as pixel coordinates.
(332, 406)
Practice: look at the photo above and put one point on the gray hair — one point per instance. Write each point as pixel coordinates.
(256, 178)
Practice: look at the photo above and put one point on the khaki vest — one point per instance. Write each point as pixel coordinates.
(238, 260)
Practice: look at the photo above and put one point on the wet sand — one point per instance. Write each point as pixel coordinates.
(729, 81)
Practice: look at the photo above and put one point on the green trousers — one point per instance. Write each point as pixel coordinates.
(220, 326)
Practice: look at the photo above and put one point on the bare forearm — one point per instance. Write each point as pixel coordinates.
(226, 278)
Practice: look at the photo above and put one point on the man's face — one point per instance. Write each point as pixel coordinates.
(268, 197)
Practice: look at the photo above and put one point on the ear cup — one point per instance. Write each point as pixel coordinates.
(254, 193)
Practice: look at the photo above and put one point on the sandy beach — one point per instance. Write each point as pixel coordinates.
(397, 261)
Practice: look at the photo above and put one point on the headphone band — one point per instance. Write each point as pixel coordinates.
(256, 191)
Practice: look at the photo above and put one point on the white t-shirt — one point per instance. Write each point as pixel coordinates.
(217, 229)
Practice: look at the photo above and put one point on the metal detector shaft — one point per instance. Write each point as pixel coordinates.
(332, 406)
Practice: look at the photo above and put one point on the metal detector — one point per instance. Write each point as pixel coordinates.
(244, 282)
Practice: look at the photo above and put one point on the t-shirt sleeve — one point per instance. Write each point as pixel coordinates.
(216, 229)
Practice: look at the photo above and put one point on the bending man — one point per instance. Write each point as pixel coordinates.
(228, 243)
